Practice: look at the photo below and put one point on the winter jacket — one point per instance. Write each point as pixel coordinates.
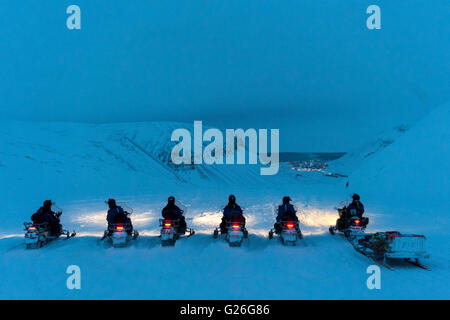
(358, 206)
(286, 210)
(172, 212)
(117, 215)
(231, 209)
(45, 215)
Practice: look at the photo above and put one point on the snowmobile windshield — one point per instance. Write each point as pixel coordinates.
(55, 208)
(344, 203)
(125, 208)
(182, 206)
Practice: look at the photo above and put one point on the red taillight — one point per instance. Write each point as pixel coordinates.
(167, 224)
(357, 221)
(32, 228)
(290, 225)
(119, 227)
(235, 226)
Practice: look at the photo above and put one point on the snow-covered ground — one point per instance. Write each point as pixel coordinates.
(404, 186)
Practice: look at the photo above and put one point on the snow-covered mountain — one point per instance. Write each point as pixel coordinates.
(410, 177)
(57, 155)
(110, 149)
(359, 154)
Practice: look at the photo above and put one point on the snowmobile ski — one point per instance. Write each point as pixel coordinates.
(380, 262)
(71, 235)
(418, 264)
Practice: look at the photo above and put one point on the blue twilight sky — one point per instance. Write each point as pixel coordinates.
(308, 67)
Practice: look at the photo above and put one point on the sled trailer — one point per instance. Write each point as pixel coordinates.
(405, 246)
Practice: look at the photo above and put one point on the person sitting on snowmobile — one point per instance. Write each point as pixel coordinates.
(286, 212)
(355, 208)
(231, 213)
(172, 212)
(45, 214)
(116, 215)
(356, 205)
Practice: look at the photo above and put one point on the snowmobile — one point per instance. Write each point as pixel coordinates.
(39, 234)
(235, 233)
(170, 232)
(121, 233)
(381, 246)
(349, 223)
(289, 233)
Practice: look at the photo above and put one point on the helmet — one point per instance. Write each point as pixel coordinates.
(171, 199)
(232, 198)
(355, 196)
(111, 202)
(286, 199)
(48, 203)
